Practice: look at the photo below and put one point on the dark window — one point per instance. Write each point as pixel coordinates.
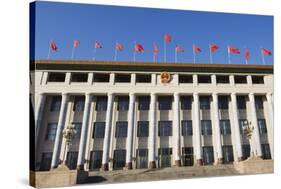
(225, 127)
(185, 79)
(186, 102)
(121, 129)
(265, 151)
(187, 155)
(222, 79)
(55, 104)
(208, 155)
(165, 128)
(164, 157)
(51, 131)
(122, 78)
(204, 102)
(259, 102)
(123, 103)
(77, 127)
(142, 158)
(241, 124)
(165, 102)
(227, 151)
(246, 151)
(119, 159)
(186, 126)
(143, 128)
(258, 79)
(223, 102)
(79, 77)
(101, 103)
(206, 127)
(98, 131)
(241, 102)
(46, 160)
(262, 126)
(71, 160)
(100, 77)
(240, 79)
(56, 77)
(144, 102)
(79, 103)
(95, 160)
(204, 79)
(143, 78)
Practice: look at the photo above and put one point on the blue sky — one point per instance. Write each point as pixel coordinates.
(64, 22)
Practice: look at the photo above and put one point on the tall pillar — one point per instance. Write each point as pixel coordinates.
(61, 123)
(152, 128)
(217, 133)
(108, 125)
(271, 123)
(197, 129)
(256, 143)
(39, 113)
(236, 128)
(84, 129)
(176, 130)
(130, 139)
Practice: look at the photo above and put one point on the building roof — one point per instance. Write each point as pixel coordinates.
(83, 65)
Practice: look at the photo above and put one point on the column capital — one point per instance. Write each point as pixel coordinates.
(132, 94)
(251, 94)
(233, 94)
(176, 93)
(110, 94)
(195, 94)
(214, 94)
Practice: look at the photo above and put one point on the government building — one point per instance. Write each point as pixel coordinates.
(136, 115)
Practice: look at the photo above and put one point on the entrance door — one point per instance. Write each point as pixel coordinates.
(46, 161)
(71, 160)
(119, 159)
(142, 158)
(227, 151)
(95, 160)
(164, 155)
(187, 153)
(208, 155)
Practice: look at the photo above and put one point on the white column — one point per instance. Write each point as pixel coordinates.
(108, 125)
(130, 139)
(61, 123)
(236, 128)
(84, 129)
(39, 113)
(249, 80)
(256, 136)
(271, 123)
(152, 133)
(176, 130)
(216, 123)
(196, 125)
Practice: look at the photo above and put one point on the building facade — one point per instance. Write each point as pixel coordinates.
(150, 115)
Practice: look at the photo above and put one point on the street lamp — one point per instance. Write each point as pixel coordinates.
(68, 134)
(248, 131)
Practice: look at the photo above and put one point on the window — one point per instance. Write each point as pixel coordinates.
(187, 155)
(143, 128)
(262, 126)
(223, 102)
(95, 160)
(77, 127)
(119, 159)
(185, 79)
(144, 102)
(186, 102)
(186, 128)
(222, 79)
(79, 77)
(55, 104)
(240, 79)
(100, 77)
(246, 151)
(142, 158)
(122, 78)
(164, 155)
(56, 77)
(101, 103)
(121, 129)
(241, 102)
(258, 79)
(79, 103)
(143, 78)
(71, 160)
(165, 128)
(204, 79)
(165, 102)
(241, 123)
(259, 102)
(51, 131)
(206, 127)
(225, 127)
(208, 155)
(123, 103)
(265, 151)
(227, 151)
(99, 128)
(204, 102)
(46, 160)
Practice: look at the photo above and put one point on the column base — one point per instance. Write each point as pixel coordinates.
(104, 167)
(220, 161)
(152, 165)
(80, 167)
(178, 163)
(129, 165)
(199, 162)
(240, 159)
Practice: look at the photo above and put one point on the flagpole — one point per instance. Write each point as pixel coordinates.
(176, 55)
(115, 53)
(135, 52)
(228, 55)
(72, 53)
(262, 56)
(95, 49)
(193, 54)
(165, 51)
(49, 51)
(211, 58)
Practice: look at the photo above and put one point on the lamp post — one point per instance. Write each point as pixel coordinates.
(248, 131)
(68, 134)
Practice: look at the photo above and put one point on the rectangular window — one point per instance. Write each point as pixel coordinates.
(122, 78)
(51, 131)
(185, 78)
(265, 151)
(164, 155)
(241, 102)
(208, 155)
(206, 127)
(223, 102)
(204, 79)
(101, 103)
(204, 102)
(186, 126)
(95, 160)
(143, 78)
(121, 129)
(98, 130)
(46, 160)
(222, 79)
(56, 77)
(119, 159)
(71, 160)
(258, 79)
(101, 77)
(165, 128)
(259, 102)
(79, 103)
(227, 151)
(79, 77)
(187, 155)
(123, 103)
(165, 102)
(246, 150)
(77, 127)
(144, 102)
(143, 128)
(55, 104)
(240, 79)
(262, 126)
(186, 102)
(142, 158)
(225, 127)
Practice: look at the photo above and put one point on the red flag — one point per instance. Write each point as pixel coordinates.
(138, 48)
(214, 47)
(233, 50)
(167, 38)
(247, 54)
(119, 46)
(179, 49)
(155, 50)
(75, 43)
(196, 49)
(98, 45)
(266, 51)
(53, 46)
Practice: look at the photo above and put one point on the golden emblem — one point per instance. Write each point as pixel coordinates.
(165, 77)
